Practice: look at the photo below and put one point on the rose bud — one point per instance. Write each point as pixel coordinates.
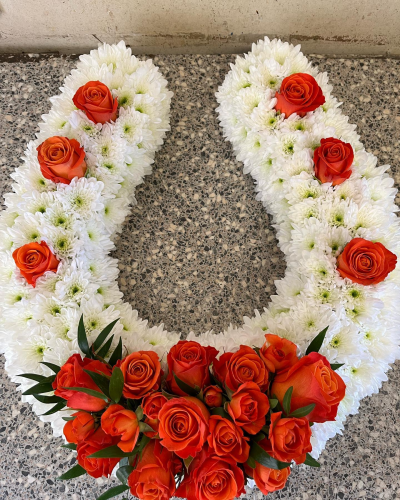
(190, 362)
(278, 354)
(365, 262)
(142, 374)
(96, 100)
(248, 407)
(118, 421)
(152, 404)
(299, 93)
(236, 368)
(183, 426)
(79, 428)
(268, 480)
(153, 477)
(97, 467)
(61, 159)
(212, 478)
(333, 161)
(289, 438)
(313, 382)
(213, 396)
(227, 440)
(34, 260)
(72, 375)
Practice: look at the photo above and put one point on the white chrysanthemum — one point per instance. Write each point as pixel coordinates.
(27, 229)
(75, 286)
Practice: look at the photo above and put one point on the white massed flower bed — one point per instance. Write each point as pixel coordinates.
(314, 222)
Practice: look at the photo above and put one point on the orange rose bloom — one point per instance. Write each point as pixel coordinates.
(213, 396)
(365, 262)
(268, 480)
(289, 438)
(34, 259)
(333, 161)
(313, 381)
(151, 405)
(227, 440)
(190, 362)
(248, 407)
(244, 365)
(153, 477)
(142, 374)
(79, 428)
(96, 467)
(278, 354)
(299, 93)
(61, 159)
(96, 100)
(183, 426)
(117, 421)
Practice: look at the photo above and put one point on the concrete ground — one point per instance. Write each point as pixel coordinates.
(198, 253)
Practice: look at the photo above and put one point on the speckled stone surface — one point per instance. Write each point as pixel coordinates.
(197, 253)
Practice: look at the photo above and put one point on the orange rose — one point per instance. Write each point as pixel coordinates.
(117, 421)
(289, 438)
(299, 93)
(213, 396)
(153, 477)
(313, 381)
(79, 428)
(152, 404)
(96, 467)
(142, 374)
(245, 365)
(34, 259)
(183, 426)
(61, 159)
(333, 161)
(72, 375)
(96, 100)
(190, 362)
(268, 480)
(212, 477)
(278, 354)
(248, 407)
(365, 262)
(227, 440)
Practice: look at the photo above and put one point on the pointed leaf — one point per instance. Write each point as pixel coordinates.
(117, 354)
(262, 457)
(39, 389)
(48, 399)
(273, 403)
(143, 427)
(55, 409)
(183, 386)
(311, 461)
(100, 380)
(139, 413)
(187, 461)
(69, 446)
(221, 412)
(124, 472)
(37, 378)
(303, 411)
(110, 452)
(76, 471)
(251, 462)
(287, 399)
(67, 419)
(52, 366)
(116, 384)
(336, 366)
(316, 344)
(91, 392)
(113, 492)
(102, 353)
(82, 339)
(103, 335)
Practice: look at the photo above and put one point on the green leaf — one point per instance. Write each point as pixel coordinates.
(69, 446)
(52, 366)
(316, 344)
(90, 392)
(117, 354)
(221, 412)
(37, 378)
(116, 384)
(76, 471)
(100, 380)
(143, 427)
(187, 461)
(113, 492)
(273, 402)
(262, 457)
(48, 399)
(39, 389)
(336, 366)
(251, 462)
(139, 413)
(102, 353)
(183, 386)
(287, 399)
(67, 419)
(82, 339)
(103, 335)
(55, 409)
(124, 472)
(311, 461)
(303, 411)
(110, 452)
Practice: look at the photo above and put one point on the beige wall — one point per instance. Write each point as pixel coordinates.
(208, 26)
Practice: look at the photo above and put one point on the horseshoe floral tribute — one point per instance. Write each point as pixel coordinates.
(204, 417)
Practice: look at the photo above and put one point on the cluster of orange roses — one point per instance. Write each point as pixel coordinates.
(200, 431)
